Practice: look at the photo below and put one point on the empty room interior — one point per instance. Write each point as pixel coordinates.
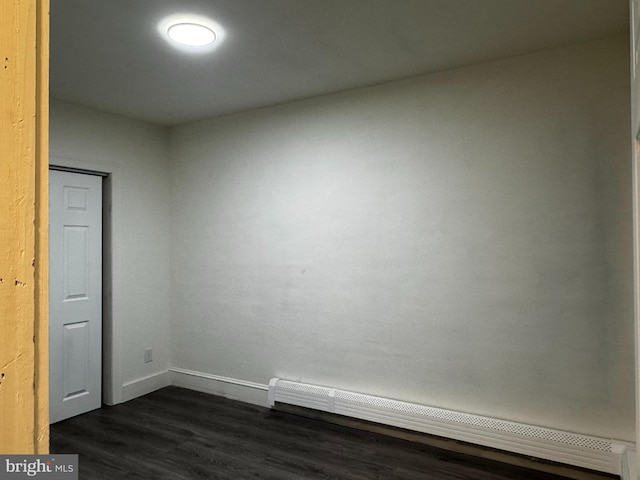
(416, 204)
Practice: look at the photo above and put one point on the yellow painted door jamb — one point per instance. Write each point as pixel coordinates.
(24, 125)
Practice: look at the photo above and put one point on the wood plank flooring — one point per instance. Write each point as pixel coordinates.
(181, 434)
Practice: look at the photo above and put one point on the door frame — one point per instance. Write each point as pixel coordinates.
(111, 291)
(634, 61)
(24, 305)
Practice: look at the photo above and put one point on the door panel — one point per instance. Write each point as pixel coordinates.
(76, 265)
(76, 359)
(75, 293)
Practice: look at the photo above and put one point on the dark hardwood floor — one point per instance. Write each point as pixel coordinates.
(180, 434)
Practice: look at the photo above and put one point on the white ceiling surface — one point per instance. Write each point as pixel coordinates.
(108, 54)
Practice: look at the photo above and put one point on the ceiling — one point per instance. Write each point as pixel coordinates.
(109, 54)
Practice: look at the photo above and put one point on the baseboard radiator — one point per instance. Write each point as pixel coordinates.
(564, 447)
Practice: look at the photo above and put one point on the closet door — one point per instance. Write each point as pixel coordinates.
(75, 294)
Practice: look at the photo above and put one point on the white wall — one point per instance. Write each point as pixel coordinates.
(460, 240)
(136, 156)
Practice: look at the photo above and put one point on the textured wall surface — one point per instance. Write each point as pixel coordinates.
(461, 240)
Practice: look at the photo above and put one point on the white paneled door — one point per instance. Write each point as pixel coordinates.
(75, 294)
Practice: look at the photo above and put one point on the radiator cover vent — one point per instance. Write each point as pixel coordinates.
(565, 447)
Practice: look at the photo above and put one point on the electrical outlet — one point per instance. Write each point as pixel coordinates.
(148, 355)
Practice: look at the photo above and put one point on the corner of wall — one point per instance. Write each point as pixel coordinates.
(145, 385)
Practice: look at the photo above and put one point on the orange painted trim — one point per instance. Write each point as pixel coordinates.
(23, 257)
(42, 231)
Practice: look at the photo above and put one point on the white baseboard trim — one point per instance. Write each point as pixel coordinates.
(142, 386)
(258, 394)
(244, 391)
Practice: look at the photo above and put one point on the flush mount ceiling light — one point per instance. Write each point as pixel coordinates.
(191, 34)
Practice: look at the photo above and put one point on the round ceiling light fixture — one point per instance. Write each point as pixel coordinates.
(191, 34)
